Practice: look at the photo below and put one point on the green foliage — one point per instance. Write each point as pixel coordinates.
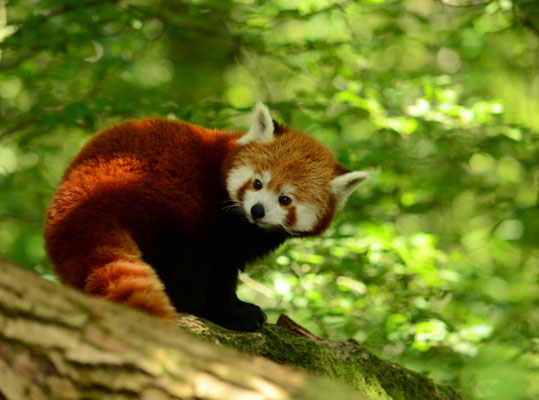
(433, 263)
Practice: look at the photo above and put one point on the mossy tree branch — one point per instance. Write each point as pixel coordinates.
(58, 343)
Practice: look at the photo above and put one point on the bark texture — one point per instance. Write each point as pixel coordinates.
(58, 343)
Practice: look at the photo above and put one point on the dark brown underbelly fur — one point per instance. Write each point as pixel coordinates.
(200, 271)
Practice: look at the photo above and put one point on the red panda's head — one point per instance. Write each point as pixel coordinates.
(281, 178)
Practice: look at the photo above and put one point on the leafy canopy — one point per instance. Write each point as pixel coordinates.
(433, 263)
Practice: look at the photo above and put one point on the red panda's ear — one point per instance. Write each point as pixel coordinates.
(262, 130)
(343, 185)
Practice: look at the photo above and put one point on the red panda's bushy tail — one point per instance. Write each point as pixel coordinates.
(132, 281)
(112, 269)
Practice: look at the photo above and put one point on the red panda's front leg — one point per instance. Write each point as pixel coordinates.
(224, 307)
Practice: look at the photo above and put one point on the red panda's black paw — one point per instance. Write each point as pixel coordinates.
(250, 318)
(247, 318)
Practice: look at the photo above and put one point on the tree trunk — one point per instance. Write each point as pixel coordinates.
(57, 343)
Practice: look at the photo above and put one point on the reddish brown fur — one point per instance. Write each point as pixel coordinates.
(291, 217)
(296, 158)
(171, 169)
(91, 221)
(242, 189)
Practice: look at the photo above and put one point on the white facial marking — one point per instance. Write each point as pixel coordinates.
(265, 197)
(236, 179)
(262, 128)
(266, 177)
(288, 190)
(273, 212)
(306, 217)
(275, 215)
(343, 185)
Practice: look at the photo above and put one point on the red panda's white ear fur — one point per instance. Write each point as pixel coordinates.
(262, 129)
(343, 185)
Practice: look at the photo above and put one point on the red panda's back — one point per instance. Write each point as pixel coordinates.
(132, 177)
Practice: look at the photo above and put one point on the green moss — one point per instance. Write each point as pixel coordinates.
(342, 361)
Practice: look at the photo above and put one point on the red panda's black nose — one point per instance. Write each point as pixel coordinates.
(257, 211)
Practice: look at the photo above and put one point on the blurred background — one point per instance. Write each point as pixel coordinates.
(433, 263)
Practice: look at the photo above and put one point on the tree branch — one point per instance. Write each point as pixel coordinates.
(59, 343)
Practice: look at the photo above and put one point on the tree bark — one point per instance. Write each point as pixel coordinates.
(59, 343)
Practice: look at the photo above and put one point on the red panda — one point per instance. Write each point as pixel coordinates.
(162, 214)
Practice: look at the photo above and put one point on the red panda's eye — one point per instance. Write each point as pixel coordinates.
(285, 200)
(257, 185)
